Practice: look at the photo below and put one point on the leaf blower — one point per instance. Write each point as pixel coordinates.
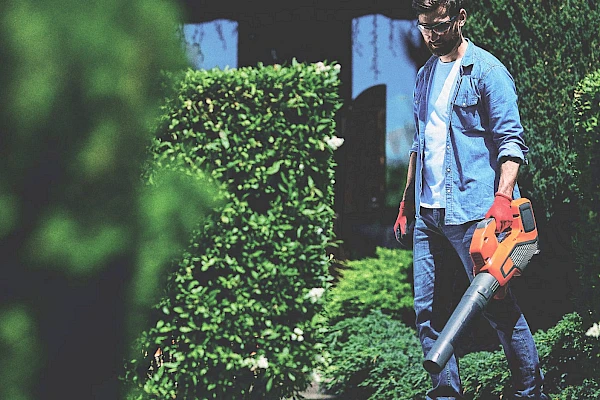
(496, 259)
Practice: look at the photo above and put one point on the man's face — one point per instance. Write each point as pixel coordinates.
(441, 32)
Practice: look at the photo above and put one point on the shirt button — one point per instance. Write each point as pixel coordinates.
(448, 190)
(448, 169)
(448, 147)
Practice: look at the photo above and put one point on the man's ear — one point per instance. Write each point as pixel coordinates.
(462, 17)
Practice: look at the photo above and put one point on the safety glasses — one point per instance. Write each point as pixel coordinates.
(440, 28)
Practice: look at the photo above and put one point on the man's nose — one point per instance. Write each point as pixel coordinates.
(431, 34)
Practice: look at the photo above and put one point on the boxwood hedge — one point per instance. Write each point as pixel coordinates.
(587, 147)
(237, 320)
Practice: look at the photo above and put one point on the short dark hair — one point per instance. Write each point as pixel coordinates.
(425, 6)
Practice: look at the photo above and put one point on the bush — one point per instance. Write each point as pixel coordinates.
(381, 283)
(568, 357)
(548, 59)
(238, 317)
(375, 358)
(589, 389)
(587, 149)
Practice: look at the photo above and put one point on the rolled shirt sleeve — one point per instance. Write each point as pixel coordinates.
(504, 120)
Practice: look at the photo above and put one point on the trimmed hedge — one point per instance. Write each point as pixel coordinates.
(238, 318)
(548, 57)
(587, 149)
(380, 283)
(374, 357)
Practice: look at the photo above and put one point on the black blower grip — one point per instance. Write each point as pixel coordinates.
(475, 299)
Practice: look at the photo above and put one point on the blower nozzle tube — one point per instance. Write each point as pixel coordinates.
(479, 293)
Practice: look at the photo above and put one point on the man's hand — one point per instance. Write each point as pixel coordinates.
(501, 212)
(406, 215)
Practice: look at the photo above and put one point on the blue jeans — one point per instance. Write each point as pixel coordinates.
(436, 247)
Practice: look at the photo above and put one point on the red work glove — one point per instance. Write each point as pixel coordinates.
(406, 214)
(501, 212)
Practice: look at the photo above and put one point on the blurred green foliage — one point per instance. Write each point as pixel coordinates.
(20, 363)
(83, 238)
(240, 315)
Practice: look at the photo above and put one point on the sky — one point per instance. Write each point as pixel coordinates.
(393, 68)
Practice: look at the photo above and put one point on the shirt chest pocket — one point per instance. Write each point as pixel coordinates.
(466, 115)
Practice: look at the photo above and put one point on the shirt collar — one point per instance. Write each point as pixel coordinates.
(468, 57)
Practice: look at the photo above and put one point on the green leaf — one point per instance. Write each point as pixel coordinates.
(273, 169)
(224, 139)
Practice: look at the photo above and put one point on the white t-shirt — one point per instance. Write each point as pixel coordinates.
(436, 129)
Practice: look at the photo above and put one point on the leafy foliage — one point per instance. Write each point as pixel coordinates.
(370, 352)
(77, 224)
(587, 148)
(373, 283)
(548, 58)
(568, 358)
(589, 389)
(238, 317)
(376, 358)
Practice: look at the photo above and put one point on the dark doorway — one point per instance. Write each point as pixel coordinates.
(361, 173)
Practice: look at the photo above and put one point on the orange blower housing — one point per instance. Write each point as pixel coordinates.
(496, 259)
(507, 254)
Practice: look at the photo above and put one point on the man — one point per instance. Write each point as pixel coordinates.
(463, 166)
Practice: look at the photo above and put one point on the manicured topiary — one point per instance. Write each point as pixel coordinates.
(238, 316)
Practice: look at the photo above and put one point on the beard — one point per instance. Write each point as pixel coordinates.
(445, 44)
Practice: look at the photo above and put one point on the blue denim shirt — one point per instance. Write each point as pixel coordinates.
(484, 126)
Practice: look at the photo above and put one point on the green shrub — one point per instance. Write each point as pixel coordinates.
(238, 319)
(568, 357)
(484, 375)
(589, 389)
(381, 283)
(548, 59)
(375, 358)
(587, 150)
